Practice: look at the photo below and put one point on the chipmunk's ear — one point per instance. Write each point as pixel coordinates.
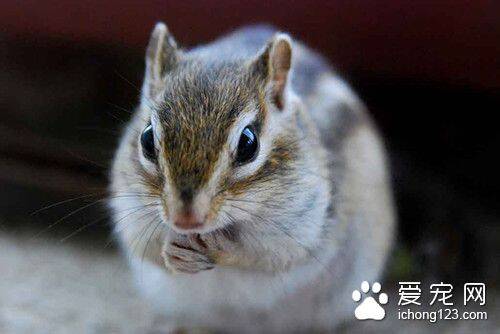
(162, 55)
(273, 65)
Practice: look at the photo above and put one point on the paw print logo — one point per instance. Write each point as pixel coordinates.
(369, 307)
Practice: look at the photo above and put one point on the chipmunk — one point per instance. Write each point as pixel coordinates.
(250, 189)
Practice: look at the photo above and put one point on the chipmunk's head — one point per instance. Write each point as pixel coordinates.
(220, 141)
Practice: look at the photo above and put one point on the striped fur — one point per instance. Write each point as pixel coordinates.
(288, 234)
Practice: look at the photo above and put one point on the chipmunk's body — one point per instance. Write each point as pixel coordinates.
(228, 234)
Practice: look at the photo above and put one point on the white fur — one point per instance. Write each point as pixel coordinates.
(286, 262)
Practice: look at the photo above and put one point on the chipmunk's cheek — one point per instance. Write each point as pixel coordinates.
(164, 212)
(213, 214)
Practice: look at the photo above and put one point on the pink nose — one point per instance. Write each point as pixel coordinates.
(187, 221)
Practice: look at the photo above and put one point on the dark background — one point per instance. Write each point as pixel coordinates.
(429, 71)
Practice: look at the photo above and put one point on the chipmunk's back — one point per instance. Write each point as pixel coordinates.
(246, 42)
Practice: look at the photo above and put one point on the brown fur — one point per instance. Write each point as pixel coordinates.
(196, 99)
(280, 162)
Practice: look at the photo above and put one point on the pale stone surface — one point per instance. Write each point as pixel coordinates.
(49, 287)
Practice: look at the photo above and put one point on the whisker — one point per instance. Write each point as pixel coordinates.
(72, 213)
(121, 220)
(80, 229)
(124, 195)
(276, 226)
(137, 240)
(115, 232)
(149, 240)
(61, 203)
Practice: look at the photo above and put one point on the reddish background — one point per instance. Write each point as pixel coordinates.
(450, 41)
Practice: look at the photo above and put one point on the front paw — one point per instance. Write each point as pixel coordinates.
(187, 255)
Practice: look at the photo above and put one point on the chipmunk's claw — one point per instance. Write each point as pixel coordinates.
(187, 255)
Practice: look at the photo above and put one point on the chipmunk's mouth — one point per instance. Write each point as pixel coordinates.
(195, 228)
(189, 225)
(199, 229)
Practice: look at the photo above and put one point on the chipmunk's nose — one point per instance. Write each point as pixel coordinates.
(187, 220)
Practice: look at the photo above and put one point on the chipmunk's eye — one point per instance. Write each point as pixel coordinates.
(148, 143)
(247, 146)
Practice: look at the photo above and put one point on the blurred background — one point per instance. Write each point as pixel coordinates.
(429, 72)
